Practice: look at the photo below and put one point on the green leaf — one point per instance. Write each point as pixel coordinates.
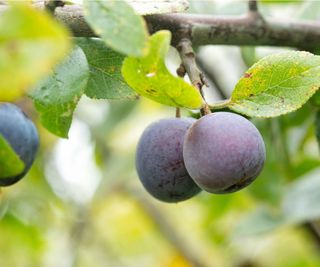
(277, 84)
(298, 117)
(105, 80)
(150, 77)
(23, 237)
(304, 165)
(317, 126)
(10, 163)
(301, 202)
(31, 43)
(55, 98)
(259, 222)
(270, 184)
(315, 99)
(118, 25)
(248, 54)
(159, 7)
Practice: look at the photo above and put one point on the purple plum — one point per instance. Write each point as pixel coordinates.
(21, 134)
(159, 161)
(223, 152)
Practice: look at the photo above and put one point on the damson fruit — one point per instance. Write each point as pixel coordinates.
(21, 134)
(159, 161)
(223, 152)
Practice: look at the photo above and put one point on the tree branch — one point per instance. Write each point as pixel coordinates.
(250, 29)
(202, 30)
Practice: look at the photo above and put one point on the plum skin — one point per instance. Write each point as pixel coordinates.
(223, 152)
(21, 134)
(159, 161)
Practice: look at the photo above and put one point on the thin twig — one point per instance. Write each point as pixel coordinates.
(77, 233)
(189, 62)
(188, 59)
(314, 230)
(181, 72)
(168, 230)
(253, 5)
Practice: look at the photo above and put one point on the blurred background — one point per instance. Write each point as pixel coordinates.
(82, 204)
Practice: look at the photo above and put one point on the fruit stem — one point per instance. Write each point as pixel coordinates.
(188, 60)
(178, 113)
(51, 5)
(253, 5)
(205, 110)
(181, 72)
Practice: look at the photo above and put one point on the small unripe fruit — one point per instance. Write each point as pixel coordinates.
(159, 161)
(21, 134)
(223, 152)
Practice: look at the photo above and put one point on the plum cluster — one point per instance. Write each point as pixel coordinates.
(221, 152)
(21, 134)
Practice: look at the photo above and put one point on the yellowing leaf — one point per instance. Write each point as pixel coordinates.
(277, 84)
(31, 43)
(150, 77)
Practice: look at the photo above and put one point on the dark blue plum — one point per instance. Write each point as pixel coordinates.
(159, 161)
(20, 132)
(223, 152)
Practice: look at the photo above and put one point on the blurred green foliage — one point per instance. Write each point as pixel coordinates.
(31, 43)
(82, 205)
